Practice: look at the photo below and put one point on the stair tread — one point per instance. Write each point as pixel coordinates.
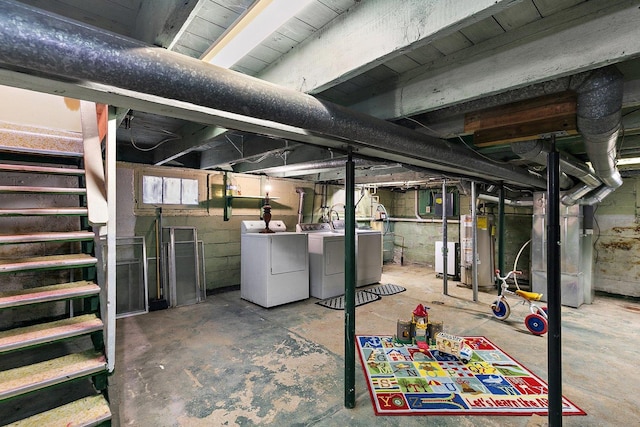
(41, 190)
(28, 336)
(85, 412)
(48, 293)
(44, 262)
(43, 211)
(24, 379)
(64, 236)
(40, 169)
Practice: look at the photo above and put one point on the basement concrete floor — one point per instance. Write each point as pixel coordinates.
(229, 362)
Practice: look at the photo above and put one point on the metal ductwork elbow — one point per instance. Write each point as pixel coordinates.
(537, 151)
(599, 119)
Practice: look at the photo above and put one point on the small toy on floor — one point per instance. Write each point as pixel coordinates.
(416, 330)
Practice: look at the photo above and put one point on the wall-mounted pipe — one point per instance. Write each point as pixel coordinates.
(496, 199)
(49, 46)
(474, 241)
(425, 220)
(300, 192)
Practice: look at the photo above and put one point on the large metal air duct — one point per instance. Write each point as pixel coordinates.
(599, 121)
(37, 43)
(537, 151)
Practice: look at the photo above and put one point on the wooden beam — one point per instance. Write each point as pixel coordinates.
(525, 131)
(523, 120)
(544, 107)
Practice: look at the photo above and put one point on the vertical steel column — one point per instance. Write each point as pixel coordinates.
(501, 228)
(554, 356)
(350, 286)
(445, 250)
(474, 242)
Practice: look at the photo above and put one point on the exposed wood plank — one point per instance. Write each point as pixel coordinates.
(544, 107)
(525, 131)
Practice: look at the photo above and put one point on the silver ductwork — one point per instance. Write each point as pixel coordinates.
(599, 121)
(599, 118)
(538, 150)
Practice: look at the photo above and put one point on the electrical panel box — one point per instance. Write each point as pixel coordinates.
(439, 202)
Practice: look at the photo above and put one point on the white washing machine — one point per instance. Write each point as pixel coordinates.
(368, 253)
(274, 267)
(326, 260)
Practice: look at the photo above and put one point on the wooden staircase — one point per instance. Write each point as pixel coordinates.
(53, 366)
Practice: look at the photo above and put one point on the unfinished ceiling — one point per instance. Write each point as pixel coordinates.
(432, 89)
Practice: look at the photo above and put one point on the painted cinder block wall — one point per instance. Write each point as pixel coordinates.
(221, 239)
(616, 239)
(420, 236)
(616, 234)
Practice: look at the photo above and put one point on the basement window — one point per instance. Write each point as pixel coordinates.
(157, 190)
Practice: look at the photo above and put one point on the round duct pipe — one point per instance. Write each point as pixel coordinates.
(56, 48)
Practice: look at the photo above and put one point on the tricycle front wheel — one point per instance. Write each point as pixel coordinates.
(500, 309)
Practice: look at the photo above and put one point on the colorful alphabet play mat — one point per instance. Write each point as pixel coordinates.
(405, 380)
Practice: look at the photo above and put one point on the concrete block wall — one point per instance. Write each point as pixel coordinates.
(419, 235)
(616, 234)
(617, 241)
(221, 239)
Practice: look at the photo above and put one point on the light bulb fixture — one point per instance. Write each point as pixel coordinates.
(261, 20)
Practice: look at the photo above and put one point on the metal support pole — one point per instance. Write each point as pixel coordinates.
(554, 356)
(445, 251)
(474, 241)
(350, 287)
(501, 231)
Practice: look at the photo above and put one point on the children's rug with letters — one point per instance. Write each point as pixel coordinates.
(406, 380)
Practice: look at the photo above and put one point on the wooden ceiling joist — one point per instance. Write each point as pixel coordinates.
(523, 120)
